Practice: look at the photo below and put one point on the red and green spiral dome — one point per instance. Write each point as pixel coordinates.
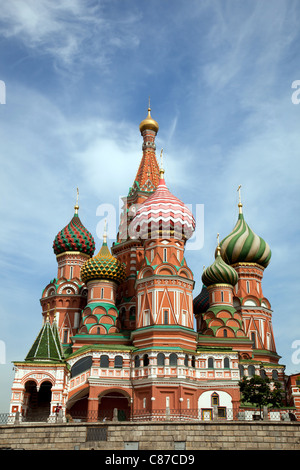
(74, 237)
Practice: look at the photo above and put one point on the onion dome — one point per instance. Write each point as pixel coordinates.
(219, 272)
(149, 123)
(103, 266)
(74, 237)
(242, 245)
(201, 302)
(162, 214)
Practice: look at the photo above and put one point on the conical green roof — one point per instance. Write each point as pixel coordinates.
(47, 346)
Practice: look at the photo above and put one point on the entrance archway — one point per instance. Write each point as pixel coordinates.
(38, 401)
(111, 400)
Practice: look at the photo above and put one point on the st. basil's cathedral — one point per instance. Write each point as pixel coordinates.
(122, 333)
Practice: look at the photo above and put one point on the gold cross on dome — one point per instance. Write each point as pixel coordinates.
(76, 205)
(239, 191)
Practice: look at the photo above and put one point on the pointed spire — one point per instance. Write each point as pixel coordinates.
(218, 250)
(240, 205)
(76, 207)
(161, 169)
(105, 233)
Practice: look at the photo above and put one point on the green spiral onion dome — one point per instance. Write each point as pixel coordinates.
(243, 245)
(74, 237)
(219, 272)
(103, 266)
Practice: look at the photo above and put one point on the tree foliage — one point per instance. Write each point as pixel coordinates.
(261, 391)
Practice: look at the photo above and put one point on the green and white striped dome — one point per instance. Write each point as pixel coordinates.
(219, 272)
(242, 245)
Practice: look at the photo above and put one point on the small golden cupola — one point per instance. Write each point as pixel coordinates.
(149, 123)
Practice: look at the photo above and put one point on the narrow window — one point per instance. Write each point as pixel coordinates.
(226, 363)
(160, 359)
(165, 255)
(248, 287)
(102, 292)
(65, 338)
(71, 272)
(253, 339)
(146, 360)
(215, 399)
(274, 374)
(210, 362)
(104, 361)
(173, 359)
(222, 296)
(118, 362)
(166, 317)
(152, 255)
(137, 361)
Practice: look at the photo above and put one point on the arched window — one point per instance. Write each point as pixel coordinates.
(186, 360)
(193, 361)
(242, 370)
(173, 359)
(160, 359)
(81, 366)
(251, 371)
(274, 374)
(225, 333)
(226, 363)
(104, 361)
(132, 313)
(146, 360)
(263, 373)
(210, 363)
(137, 361)
(118, 362)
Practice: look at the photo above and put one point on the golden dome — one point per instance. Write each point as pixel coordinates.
(149, 123)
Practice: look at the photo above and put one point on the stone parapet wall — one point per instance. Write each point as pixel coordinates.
(152, 436)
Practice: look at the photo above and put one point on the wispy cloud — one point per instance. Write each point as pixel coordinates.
(67, 30)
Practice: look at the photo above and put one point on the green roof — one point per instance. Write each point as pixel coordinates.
(47, 346)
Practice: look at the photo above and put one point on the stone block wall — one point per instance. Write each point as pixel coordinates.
(152, 436)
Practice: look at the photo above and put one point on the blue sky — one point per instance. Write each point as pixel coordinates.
(78, 76)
